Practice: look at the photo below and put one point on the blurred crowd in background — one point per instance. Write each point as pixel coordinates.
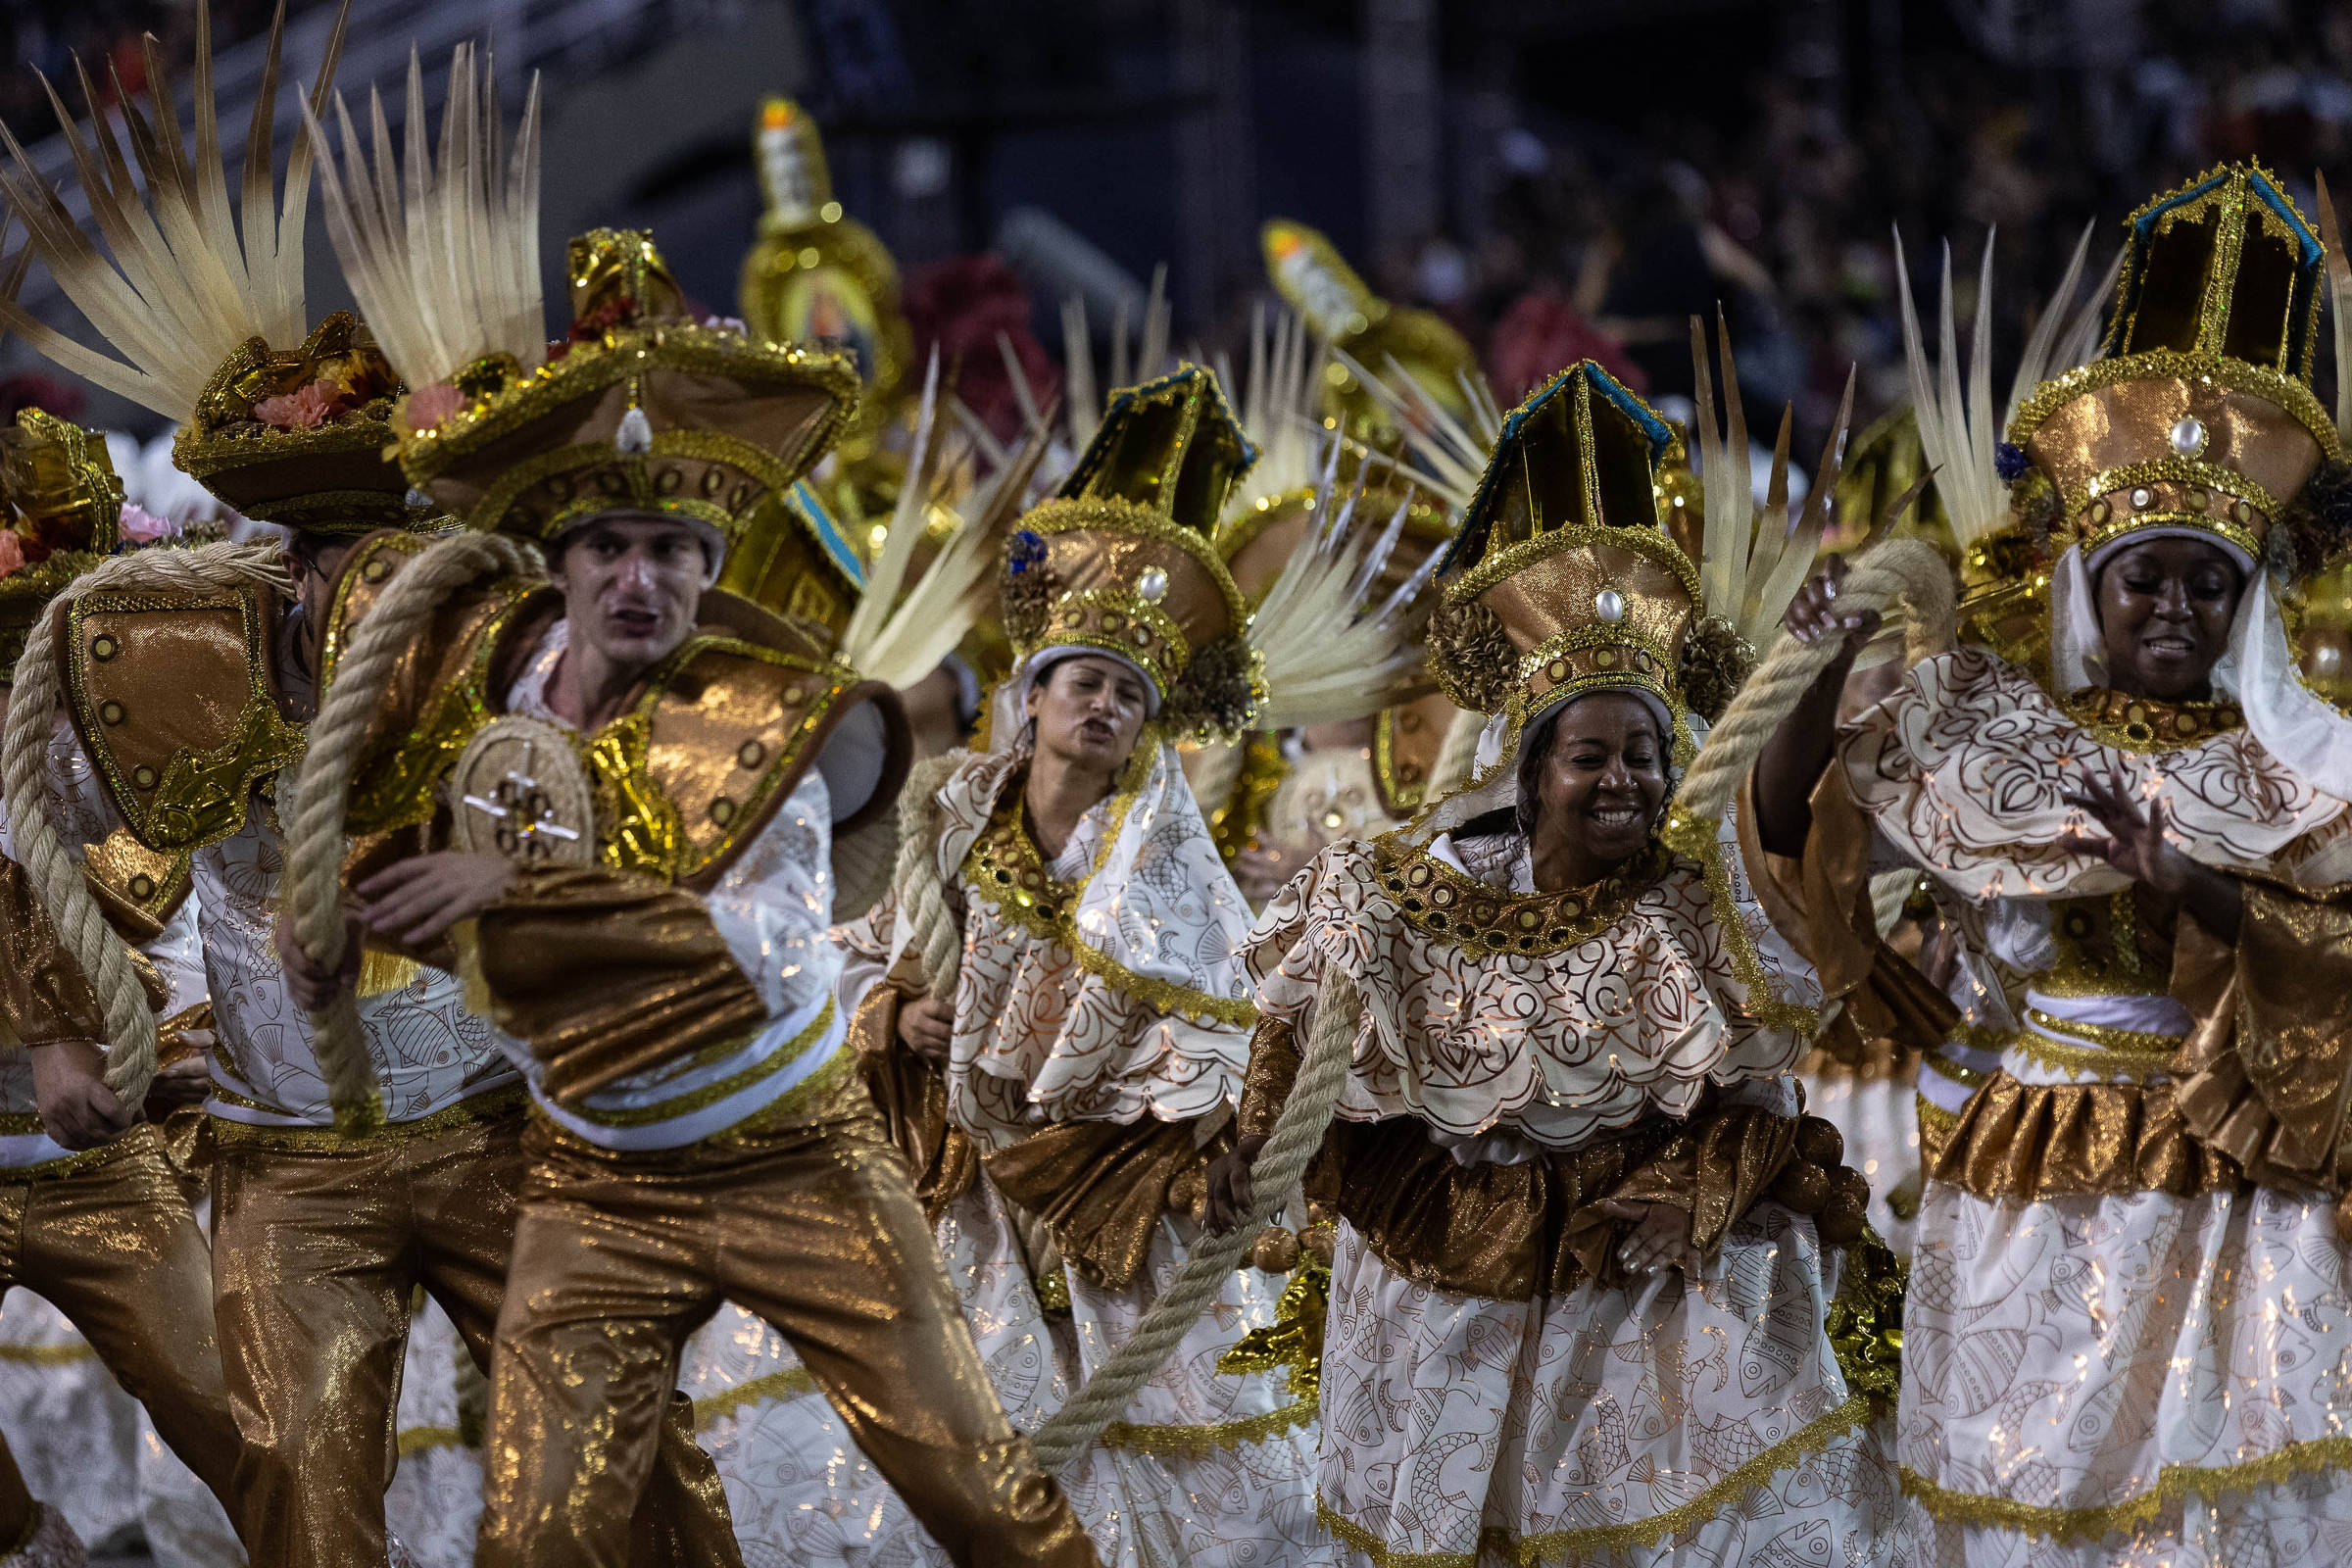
(1606, 169)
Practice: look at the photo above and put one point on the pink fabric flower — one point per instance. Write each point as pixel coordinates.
(428, 408)
(143, 527)
(11, 552)
(303, 410)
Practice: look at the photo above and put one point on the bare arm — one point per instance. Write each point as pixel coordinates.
(1795, 756)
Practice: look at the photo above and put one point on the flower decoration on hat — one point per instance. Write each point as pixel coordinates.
(284, 420)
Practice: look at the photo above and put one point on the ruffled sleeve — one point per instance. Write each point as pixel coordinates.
(1821, 903)
(2262, 1076)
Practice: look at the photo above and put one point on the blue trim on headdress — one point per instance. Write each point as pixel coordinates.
(803, 503)
(1472, 534)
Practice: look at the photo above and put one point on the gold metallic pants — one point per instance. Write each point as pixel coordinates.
(817, 1228)
(318, 1244)
(110, 1240)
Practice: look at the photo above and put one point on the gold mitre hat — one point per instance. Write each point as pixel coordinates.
(2197, 416)
(817, 277)
(1317, 282)
(1123, 561)
(64, 506)
(1561, 580)
(644, 410)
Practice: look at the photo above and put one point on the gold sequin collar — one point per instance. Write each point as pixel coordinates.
(1005, 865)
(1483, 920)
(2147, 723)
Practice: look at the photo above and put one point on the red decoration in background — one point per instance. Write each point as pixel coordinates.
(33, 391)
(1541, 335)
(960, 305)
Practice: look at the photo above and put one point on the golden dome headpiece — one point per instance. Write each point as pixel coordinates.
(291, 434)
(1317, 282)
(1122, 561)
(63, 515)
(817, 277)
(1561, 580)
(2197, 416)
(644, 408)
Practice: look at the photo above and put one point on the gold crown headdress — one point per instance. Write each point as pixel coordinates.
(1365, 333)
(285, 422)
(2197, 416)
(1122, 559)
(641, 408)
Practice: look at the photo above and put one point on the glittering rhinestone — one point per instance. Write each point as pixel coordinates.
(2188, 435)
(1607, 658)
(103, 648)
(2142, 498)
(751, 754)
(2098, 511)
(1609, 605)
(142, 887)
(110, 711)
(1335, 820)
(723, 810)
(1153, 585)
(375, 569)
(143, 778)
(1557, 670)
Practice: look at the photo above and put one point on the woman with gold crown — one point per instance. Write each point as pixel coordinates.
(2127, 1336)
(1051, 1001)
(1586, 1242)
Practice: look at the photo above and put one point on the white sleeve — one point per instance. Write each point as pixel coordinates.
(775, 904)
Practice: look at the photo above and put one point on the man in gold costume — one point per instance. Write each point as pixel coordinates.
(107, 1234)
(633, 860)
(186, 697)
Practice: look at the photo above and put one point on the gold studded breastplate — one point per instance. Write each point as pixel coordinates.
(174, 698)
(1483, 920)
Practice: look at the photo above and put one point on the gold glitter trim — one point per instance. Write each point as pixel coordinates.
(1966, 1077)
(1076, 513)
(711, 1094)
(2146, 724)
(2173, 1483)
(424, 1440)
(1192, 1443)
(19, 1123)
(1006, 868)
(74, 1164)
(2174, 469)
(1481, 921)
(2106, 1047)
(494, 1105)
(1508, 561)
(792, 1382)
(1572, 1545)
(46, 1354)
(2237, 376)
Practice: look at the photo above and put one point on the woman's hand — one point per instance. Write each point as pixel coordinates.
(2139, 846)
(926, 1027)
(1814, 612)
(1661, 1236)
(1231, 1190)
(2136, 845)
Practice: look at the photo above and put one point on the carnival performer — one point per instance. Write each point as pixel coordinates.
(2126, 1294)
(1588, 1245)
(633, 862)
(186, 678)
(106, 1236)
(1061, 1081)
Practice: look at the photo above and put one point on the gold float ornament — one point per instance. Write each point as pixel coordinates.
(1339, 308)
(820, 278)
(63, 509)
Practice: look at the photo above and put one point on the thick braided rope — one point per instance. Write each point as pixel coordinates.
(1906, 569)
(934, 931)
(1281, 1167)
(315, 844)
(57, 876)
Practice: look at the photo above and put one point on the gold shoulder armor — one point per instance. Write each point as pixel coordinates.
(175, 700)
(441, 686)
(139, 889)
(725, 731)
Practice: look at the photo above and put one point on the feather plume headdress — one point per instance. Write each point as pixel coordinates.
(281, 418)
(642, 408)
